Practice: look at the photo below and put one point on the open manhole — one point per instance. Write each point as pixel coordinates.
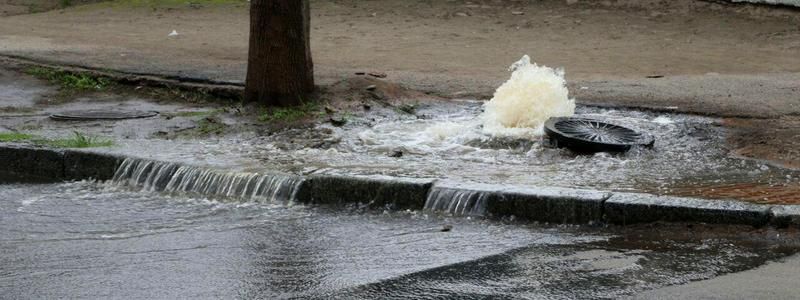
(590, 135)
(101, 114)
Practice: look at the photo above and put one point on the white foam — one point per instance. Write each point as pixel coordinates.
(522, 104)
(663, 120)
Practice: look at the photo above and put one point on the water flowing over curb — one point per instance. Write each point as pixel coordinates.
(541, 204)
(180, 179)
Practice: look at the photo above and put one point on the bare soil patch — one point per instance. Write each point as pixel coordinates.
(774, 140)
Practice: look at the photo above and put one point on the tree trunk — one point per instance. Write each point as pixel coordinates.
(279, 67)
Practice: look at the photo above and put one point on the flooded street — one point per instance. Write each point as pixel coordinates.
(383, 149)
(446, 141)
(100, 240)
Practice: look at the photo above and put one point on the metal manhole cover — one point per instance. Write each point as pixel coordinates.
(590, 135)
(101, 114)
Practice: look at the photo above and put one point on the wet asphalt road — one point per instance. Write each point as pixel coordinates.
(90, 240)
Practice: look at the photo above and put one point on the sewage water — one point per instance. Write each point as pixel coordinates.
(103, 240)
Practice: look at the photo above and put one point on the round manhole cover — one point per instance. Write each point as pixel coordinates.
(590, 135)
(101, 114)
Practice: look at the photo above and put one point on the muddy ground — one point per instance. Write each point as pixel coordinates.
(695, 56)
(21, 7)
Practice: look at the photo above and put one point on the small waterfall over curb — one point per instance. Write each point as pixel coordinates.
(181, 179)
(457, 202)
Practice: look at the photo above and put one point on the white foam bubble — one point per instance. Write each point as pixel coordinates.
(522, 104)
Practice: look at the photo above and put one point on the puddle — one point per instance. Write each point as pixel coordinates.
(18, 91)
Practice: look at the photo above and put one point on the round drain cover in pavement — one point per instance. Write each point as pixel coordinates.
(101, 114)
(590, 135)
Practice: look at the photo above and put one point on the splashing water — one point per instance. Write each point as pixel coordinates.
(518, 111)
(180, 179)
(522, 104)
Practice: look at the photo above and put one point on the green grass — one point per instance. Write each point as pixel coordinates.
(192, 114)
(289, 114)
(210, 125)
(70, 81)
(14, 137)
(65, 3)
(16, 109)
(78, 140)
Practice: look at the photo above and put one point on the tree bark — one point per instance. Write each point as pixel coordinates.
(279, 67)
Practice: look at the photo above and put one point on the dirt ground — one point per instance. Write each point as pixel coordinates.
(688, 56)
(21, 7)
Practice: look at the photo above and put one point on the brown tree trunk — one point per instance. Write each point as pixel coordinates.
(279, 67)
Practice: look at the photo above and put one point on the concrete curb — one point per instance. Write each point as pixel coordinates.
(31, 164)
(225, 90)
(391, 193)
(25, 163)
(627, 208)
(550, 204)
(545, 204)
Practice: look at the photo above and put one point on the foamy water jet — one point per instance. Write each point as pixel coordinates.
(522, 104)
(517, 112)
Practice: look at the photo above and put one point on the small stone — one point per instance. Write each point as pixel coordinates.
(446, 228)
(461, 14)
(361, 73)
(517, 13)
(376, 95)
(366, 106)
(338, 122)
(371, 87)
(377, 74)
(396, 153)
(329, 109)
(407, 108)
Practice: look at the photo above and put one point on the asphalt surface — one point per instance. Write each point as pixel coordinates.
(775, 280)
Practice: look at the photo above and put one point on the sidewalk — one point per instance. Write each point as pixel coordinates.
(776, 280)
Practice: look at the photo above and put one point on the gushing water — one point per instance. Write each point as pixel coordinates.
(522, 104)
(457, 202)
(518, 111)
(175, 178)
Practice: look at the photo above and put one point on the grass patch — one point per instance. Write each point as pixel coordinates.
(210, 126)
(14, 137)
(65, 3)
(78, 140)
(193, 114)
(289, 114)
(69, 81)
(16, 109)
(190, 114)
